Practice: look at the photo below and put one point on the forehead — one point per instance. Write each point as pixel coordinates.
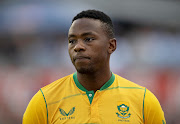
(83, 25)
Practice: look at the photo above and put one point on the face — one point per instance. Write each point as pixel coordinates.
(88, 45)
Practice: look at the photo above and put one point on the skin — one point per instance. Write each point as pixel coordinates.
(90, 49)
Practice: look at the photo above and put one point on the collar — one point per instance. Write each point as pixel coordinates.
(105, 86)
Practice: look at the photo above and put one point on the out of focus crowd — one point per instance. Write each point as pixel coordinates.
(32, 56)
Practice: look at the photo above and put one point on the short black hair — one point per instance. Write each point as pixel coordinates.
(96, 14)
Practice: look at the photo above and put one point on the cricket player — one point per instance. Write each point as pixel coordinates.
(93, 94)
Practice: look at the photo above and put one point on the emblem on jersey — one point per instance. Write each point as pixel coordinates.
(123, 108)
(67, 114)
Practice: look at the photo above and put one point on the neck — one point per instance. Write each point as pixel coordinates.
(94, 81)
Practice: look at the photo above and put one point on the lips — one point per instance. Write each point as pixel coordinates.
(80, 58)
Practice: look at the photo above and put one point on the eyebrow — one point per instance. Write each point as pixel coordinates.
(84, 34)
(71, 35)
(87, 33)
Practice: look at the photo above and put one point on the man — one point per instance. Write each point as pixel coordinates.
(93, 94)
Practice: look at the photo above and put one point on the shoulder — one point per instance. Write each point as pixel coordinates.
(153, 112)
(57, 84)
(129, 88)
(122, 82)
(56, 90)
(151, 101)
(35, 107)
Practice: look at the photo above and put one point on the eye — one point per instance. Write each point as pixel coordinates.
(88, 39)
(72, 41)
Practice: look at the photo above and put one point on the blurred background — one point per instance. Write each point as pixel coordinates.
(33, 48)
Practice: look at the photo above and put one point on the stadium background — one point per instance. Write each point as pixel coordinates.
(33, 48)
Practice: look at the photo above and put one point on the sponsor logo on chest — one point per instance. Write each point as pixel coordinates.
(66, 115)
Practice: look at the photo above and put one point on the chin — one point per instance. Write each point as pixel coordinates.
(85, 70)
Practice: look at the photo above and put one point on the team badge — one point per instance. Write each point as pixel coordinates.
(123, 108)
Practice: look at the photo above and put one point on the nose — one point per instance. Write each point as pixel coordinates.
(79, 47)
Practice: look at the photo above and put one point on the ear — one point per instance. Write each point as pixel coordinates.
(112, 45)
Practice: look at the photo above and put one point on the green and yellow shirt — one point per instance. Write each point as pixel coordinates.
(119, 101)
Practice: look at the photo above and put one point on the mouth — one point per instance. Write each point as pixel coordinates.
(81, 58)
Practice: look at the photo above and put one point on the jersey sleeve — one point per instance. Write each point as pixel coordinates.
(153, 113)
(36, 112)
